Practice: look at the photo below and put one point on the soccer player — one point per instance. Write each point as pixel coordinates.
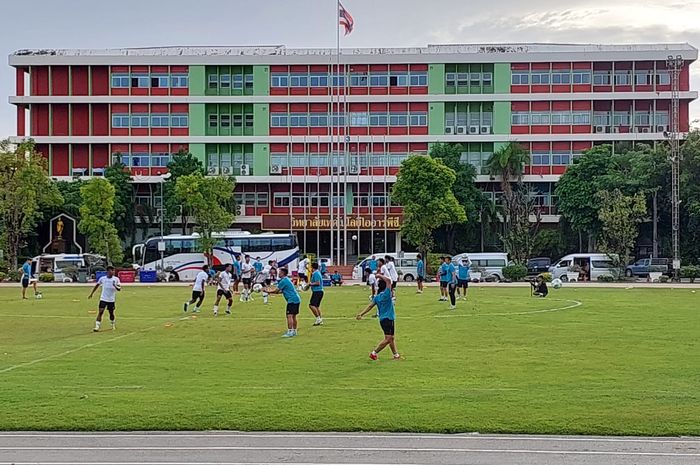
(236, 273)
(420, 271)
(384, 302)
(452, 282)
(323, 267)
(258, 265)
(27, 279)
(444, 279)
(286, 288)
(372, 283)
(336, 278)
(224, 289)
(110, 286)
(247, 270)
(463, 276)
(301, 272)
(393, 274)
(372, 264)
(539, 286)
(316, 293)
(200, 283)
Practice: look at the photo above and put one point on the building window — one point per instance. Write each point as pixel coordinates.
(278, 120)
(318, 120)
(297, 120)
(225, 121)
(238, 121)
(139, 121)
(418, 119)
(398, 79)
(140, 160)
(418, 79)
(358, 80)
(338, 80)
(318, 80)
(601, 118)
(359, 119)
(663, 78)
(179, 120)
(225, 81)
(140, 80)
(160, 159)
(238, 81)
(280, 199)
(213, 121)
(213, 81)
(487, 79)
(539, 78)
(378, 119)
(279, 80)
(581, 117)
(581, 77)
(601, 78)
(539, 119)
(621, 118)
(475, 79)
(120, 121)
(298, 80)
(561, 158)
(642, 78)
(451, 79)
(398, 119)
(623, 78)
(179, 81)
(378, 80)
(160, 80)
(249, 120)
(160, 120)
(520, 118)
(561, 77)
(539, 159)
(561, 118)
(121, 80)
(520, 78)
(642, 119)
(248, 79)
(262, 199)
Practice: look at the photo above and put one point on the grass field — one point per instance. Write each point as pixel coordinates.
(621, 362)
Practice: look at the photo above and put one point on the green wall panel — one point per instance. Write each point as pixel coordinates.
(197, 119)
(436, 118)
(501, 117)
(501, 78)
(198, 80)
(198, 150)
(261, 119)
(436, 78)
(261, 159)
(261, 80)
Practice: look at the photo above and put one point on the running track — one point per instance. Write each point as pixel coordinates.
(219, 448)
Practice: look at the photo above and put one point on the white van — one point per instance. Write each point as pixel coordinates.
(64, 267)
(588, 267)
(405, 262)
(492, 264)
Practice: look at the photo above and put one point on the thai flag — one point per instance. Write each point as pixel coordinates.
(345, 19)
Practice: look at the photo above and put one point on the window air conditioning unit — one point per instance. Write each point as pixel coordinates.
(661, 128)
(245, 170)
(449, 130)
(647, 130)
(338, 170)
(473, 129)
(486, 129)
(599, 129)
(275, 169)
(615, 129)
(461, 129)
(354, 169)
(226, 170)
(213, 171)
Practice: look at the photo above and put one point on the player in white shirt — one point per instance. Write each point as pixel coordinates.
(223, 288)
(200, 284)
(247, 273)
(110, 286)
(372, 283)
(302, 272)
(265, 278)
(392, 273)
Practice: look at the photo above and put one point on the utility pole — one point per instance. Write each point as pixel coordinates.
(674, 65)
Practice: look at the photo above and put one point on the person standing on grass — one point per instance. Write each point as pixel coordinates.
(247, 270)
(463, 276)
(372, 283)
(110, 286)
(224, 290)
(316, 293)
(198, 290)
(372, 264)
(236, 273)
(27, 279)
(384, 302)
(393, 274)
(258, 265)
(420, 271)
(302, 273)
(444, 279)
(287, 289)
(452, 282)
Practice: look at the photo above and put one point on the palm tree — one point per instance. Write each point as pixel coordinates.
(508, 162)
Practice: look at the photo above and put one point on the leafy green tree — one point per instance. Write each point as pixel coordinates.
(549, 243)
(690, 197)
(619, 216)
(70, 191)
(25, 192)
(210, 201)
(182, 163)
(96, 219)
(424, 187)
(119, 177)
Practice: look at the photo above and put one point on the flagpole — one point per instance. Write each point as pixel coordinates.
(337, 55)
(318, 195)
(304, 200)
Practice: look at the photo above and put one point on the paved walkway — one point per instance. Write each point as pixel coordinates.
(339, 449)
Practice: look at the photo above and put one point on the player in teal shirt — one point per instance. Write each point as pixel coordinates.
(287, 289)
(420, 271)
(451, 281)
(316, 293)
(387, 316)
(444, 279)
(463, 276)
(26, 271)
(236, 273)
(258, 265)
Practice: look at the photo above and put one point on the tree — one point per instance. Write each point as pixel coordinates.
(210, 201)
(25, 192)
(123, 217)
(96, 219)
(183, 163)
(690, 197)
(424, 187)
(549, 243)
(509, 164)
(619, 216)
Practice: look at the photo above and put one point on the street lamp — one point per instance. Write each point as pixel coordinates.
(161, 242)
(674, 65)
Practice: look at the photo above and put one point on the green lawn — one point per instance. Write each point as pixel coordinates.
(622, 362)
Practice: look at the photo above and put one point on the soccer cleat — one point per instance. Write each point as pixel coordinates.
(196, 310)
(452, 307)
(288, 334)
(373, 356)
(184, 307)
(318, 322)
(114, 327)
(216, 313)
(397, 356)
(95, 329)
(228, 311)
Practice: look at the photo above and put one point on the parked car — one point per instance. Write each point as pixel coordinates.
(582, 266)
(538, 265)
(405, 263)
(491, 263)
(642, 268)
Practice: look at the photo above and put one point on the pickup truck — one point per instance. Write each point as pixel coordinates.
(641, 268)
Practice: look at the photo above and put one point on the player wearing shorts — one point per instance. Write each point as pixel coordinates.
(452, 282)
(110, 286)
(247, 270)
(384, 302)
(301, 272)
(316, 293)
(223, 289)
(463, 276)
(372, 283)
(393, 274)
(236, 273)
(27, 279)
(286, 288)
(258, 265)
(200, 282)
(420, 272)
(444, 279)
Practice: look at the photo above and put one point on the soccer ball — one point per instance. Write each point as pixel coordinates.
(304, 286)
(257, 287)
(38, 296)
(556, 284)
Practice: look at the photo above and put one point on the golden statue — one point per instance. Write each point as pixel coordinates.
(59, 228)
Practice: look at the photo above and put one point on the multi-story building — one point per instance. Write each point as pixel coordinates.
(314, 146)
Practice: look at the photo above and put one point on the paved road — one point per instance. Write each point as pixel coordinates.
(219, 448)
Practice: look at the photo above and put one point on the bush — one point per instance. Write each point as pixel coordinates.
(515, 272)
(434, 261)
(663, 279)
(14, 276)
(546, 276)
(3, 275)
(691, 272)
(46, 277)
(606, 278)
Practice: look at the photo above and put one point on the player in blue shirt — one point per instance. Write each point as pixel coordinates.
(444, 279)
(26, 271)
(420, 271)
(316, 293)
(463, 276)
(236, 273)
(385, 304)
(323, 268)
(286, 287)
(451, 281)
(258, 265)
(372, 264)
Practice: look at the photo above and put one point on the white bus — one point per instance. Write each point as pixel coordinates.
(183, 257)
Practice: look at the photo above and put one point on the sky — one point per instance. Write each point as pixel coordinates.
(311, 23)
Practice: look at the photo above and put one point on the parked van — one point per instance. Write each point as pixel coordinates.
(405, 262)
(492, 264)
(589, 267)
(65, 267)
